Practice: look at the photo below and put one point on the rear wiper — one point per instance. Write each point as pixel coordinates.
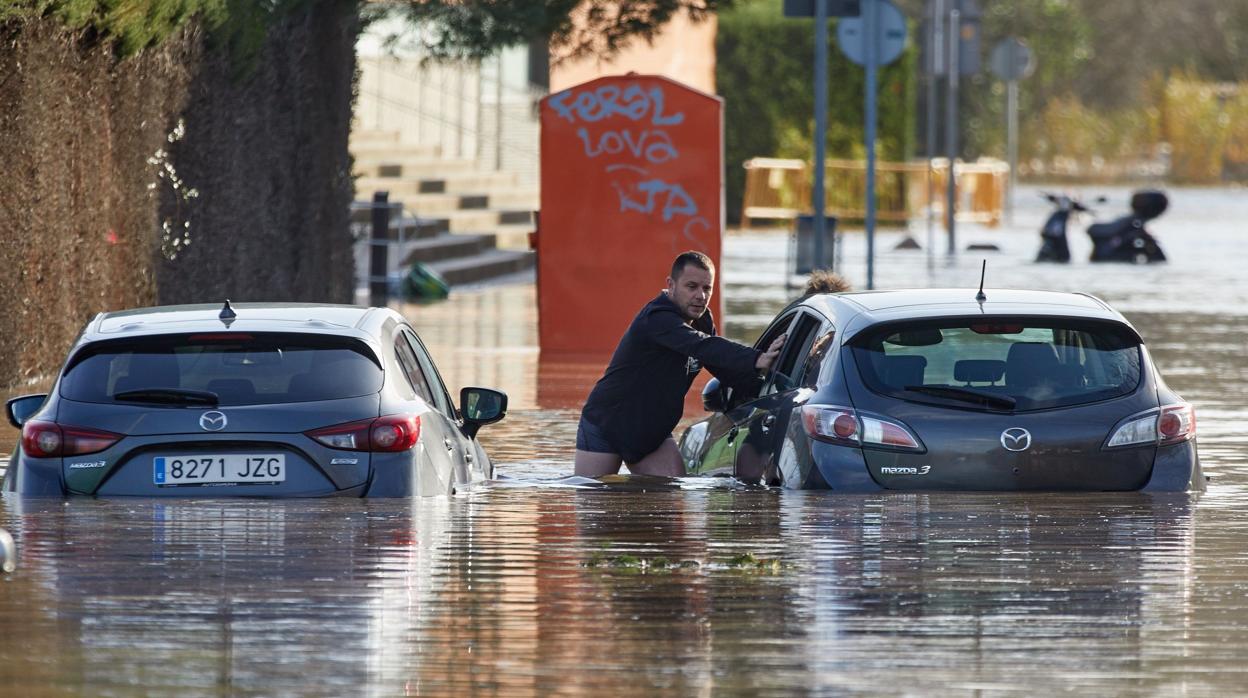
(966, 395)
(169, 396)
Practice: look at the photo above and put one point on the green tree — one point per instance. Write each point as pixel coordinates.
(572, 28)
(765, 73)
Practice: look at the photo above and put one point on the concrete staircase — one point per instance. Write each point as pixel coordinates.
(468, 225)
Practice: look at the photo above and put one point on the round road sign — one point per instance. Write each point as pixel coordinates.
(890, 33)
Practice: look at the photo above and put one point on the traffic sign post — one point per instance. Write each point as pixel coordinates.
(876, 38)
(821, 10)
(1011, 61)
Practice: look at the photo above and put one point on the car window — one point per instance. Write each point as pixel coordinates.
(241, 369)
(792, 359)
(411, 368)
(441, 400)
(1037, 363)
(820, 349)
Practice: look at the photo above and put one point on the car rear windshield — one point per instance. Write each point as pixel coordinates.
(234, 368)
(1001, 364)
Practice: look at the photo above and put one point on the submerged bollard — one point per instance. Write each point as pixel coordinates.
(8, 552)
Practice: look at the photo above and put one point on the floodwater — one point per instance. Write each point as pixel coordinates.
(535, 585)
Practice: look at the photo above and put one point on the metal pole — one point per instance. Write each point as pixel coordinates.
(479, 148)
(498, 115)
(379, 250)
(1011, 138)
(870, 23)
(936, 53)
(951, 129)
(818, 198)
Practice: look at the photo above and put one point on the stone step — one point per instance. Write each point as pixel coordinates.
(448, 205)
(395, 151)
(488, 264)
(514, 236)
(473, 181)
(372, 139)
(389, 166)
(447, 246)
(469, 221)
(405, 227)
(424, 196)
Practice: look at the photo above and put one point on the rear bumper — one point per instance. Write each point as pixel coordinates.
(841, 469)
(1177, 469)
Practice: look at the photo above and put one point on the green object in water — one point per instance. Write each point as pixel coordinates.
(423, 283)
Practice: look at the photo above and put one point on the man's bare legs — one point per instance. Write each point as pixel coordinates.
(664, 461)
(594, 464)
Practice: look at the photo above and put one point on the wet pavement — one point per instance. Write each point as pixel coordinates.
(534, 584)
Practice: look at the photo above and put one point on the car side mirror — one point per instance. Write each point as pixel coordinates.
(481, 406)
(715, 397)
(20, 409)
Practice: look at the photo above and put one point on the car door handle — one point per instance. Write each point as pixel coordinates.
(732, 434)
(767, 423)
(449, 446)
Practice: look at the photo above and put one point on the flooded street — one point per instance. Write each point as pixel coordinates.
(531, 585)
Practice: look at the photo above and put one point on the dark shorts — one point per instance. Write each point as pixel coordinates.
(590, 438)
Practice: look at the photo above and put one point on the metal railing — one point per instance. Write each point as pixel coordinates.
(380, 230)
(780, 189)
(464, 109)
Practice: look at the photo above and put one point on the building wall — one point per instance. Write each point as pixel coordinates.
(684, 52)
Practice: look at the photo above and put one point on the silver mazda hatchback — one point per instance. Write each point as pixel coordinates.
(270, 400)
(938, 389)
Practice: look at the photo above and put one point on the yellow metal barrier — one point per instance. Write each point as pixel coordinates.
(780, 189)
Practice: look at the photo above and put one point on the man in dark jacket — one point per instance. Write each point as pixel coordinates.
(631, 412)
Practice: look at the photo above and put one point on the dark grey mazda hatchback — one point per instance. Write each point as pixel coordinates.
(935, 389)
(271, 400)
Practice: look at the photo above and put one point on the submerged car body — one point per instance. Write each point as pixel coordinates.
(933, 389)
(256, 400)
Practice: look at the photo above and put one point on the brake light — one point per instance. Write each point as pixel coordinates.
(390, 434)
(220, 337)
(847, 426)
(43, 439)
(1177, 423)
(996, 328)
(1172, 424)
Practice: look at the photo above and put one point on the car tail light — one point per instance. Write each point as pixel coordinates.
(1171, 424)
(847, 426)
(392, 433)
(43, 439)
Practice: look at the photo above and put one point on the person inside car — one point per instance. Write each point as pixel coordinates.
(629, 415)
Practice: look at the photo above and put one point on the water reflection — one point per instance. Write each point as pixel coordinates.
(523, 591)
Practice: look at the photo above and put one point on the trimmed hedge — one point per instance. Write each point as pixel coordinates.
(765, 73)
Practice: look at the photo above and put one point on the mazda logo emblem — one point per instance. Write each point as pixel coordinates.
(1016, 439)
(212, 421)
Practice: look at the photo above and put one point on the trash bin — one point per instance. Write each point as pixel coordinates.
(802, 248)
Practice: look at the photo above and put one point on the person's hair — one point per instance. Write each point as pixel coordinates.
(694, 258)
(823, 281)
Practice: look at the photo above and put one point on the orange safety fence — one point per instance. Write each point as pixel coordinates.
(777, 188)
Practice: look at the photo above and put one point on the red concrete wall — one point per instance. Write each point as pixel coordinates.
(632, 175)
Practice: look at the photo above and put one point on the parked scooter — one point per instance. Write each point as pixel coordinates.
(1053, 247)
(1126, 240)
(1122, 240)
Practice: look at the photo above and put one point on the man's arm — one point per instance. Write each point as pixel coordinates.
(717, 353)
(668, 330)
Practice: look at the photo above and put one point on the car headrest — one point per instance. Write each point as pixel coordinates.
(900, 371)
(1030, 363)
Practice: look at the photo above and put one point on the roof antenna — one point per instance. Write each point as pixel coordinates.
(227, 313)
(978, 296)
